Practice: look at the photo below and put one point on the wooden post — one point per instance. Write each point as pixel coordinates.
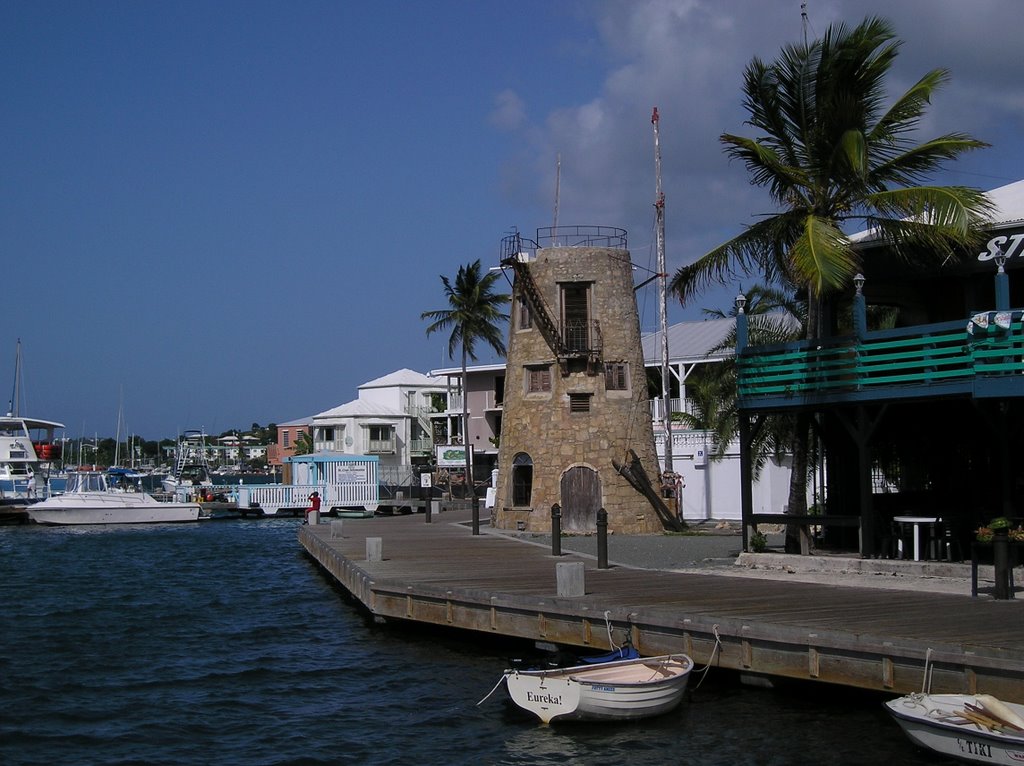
(569, 577)
(374, 549)
(602, 538)
(556, 530)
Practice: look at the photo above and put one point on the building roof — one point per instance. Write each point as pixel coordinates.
(300, 422)
(1009, 210)
(690, 341)
(403, 377)
(1009, 202)
(359, 408)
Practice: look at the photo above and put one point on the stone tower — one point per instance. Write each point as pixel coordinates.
(575, 387)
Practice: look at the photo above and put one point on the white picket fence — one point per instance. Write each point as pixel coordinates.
(272, 498)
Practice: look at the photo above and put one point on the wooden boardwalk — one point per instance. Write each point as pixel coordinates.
(440, 573)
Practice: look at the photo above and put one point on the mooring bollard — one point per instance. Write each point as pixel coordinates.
(556, 530)
(569, 579)
(336, 526)
(602, 539)
(374, 549)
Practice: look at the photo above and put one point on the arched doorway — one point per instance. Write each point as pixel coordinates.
(581, 499)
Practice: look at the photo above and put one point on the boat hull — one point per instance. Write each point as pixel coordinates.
(112, 509)
(614, 691)
(928, 720)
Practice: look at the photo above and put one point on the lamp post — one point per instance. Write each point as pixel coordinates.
(860, 320)
(1002, 282)
(741, 322)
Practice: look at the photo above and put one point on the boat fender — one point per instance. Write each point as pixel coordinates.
(997, 708)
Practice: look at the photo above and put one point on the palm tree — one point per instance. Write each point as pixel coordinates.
(474, 315)
(303, 443)
(832, 158)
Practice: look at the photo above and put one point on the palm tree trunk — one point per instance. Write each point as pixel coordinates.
(465, 427)
(797, 502)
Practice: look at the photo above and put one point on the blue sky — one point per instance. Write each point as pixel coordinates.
(225, 212)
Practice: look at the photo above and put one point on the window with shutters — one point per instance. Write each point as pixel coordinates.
(525, 319)
(616, 376)
(538, 379)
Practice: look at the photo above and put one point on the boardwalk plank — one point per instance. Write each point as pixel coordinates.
(501, 584)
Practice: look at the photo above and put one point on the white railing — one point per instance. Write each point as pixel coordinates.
(381, 446)
(271, 498)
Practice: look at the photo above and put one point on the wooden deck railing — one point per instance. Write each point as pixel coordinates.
(953, 354)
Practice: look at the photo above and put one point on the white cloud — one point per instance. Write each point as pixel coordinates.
(687, 57)
(509, 111)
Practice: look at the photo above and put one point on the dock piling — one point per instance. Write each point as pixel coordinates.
(570, 579)
(374, 548)
(336, 528)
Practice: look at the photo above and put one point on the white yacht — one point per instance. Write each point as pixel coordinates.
(89, 500)
(27, 454)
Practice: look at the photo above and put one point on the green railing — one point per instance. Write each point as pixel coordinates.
(988, 344)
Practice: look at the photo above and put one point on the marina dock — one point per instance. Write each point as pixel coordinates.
(440, 573)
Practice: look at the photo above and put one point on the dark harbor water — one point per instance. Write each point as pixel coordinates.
(222, 643)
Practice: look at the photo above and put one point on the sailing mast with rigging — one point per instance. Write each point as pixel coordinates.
(666, 387)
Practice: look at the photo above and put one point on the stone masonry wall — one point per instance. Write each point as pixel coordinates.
(541, 425)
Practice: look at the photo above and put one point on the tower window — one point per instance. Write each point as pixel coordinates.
(616, 376)
(538, 379)
(522, 479)
(579, 402)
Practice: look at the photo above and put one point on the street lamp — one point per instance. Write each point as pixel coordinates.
(1002, 281)
(858, 283)
(741, 323)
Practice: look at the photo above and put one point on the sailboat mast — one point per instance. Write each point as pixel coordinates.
(14, 405)
(659, 206)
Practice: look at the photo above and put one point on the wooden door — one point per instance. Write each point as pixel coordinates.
(581, 499)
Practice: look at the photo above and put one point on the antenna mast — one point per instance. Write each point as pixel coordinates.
(659, 207)
(558, 186)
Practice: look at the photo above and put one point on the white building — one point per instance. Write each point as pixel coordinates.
(390, 419)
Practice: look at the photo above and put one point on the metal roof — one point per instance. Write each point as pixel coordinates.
(690, 341)
(403, 377)
(359, 408)
(1009, 210)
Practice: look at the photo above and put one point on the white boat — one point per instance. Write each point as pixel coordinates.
(612, 691)
(89, 500)
(28, 450)
(27, 453)
(191, 464)
(976, 728)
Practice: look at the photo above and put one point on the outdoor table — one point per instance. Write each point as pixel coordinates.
(916, 522)
(1016, 548)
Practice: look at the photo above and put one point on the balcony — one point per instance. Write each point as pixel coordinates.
(381, 446)
(582, 336)
(982, 357)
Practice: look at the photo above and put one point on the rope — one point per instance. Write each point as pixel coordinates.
(608, 627)
(926, 679)
(714, 651)
(500, 681)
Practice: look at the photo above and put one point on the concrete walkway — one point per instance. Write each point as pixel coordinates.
(717, 549)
